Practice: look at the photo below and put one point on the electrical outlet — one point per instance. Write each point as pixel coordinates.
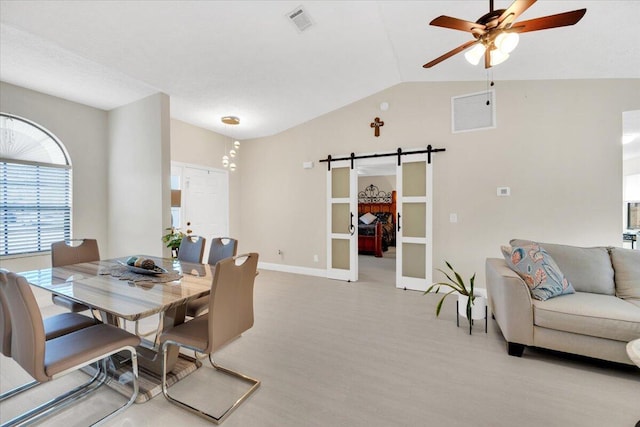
(315, 258)
(504, 191)
(453, 217)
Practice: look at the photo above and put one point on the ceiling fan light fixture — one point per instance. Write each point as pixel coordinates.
(506, 42)
(474, 54)
(498, 57)
(498, 30)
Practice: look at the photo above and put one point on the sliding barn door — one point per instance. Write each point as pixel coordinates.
(342, 220)
(414, 235)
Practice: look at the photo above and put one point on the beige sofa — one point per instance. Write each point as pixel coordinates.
(596, 321)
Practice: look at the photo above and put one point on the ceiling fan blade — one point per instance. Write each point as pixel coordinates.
(551, 21)
(512, 12)
(450, 54)
(458, 24)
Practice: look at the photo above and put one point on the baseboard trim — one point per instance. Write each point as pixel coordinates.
(293, 269)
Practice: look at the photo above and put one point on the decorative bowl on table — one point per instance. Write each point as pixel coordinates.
(142, 265)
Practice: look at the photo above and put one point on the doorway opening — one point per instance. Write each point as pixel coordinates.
(379, 265)
(414, 212)
(631, 179)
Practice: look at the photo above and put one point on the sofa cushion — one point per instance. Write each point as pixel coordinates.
(634, 301)
(626, 267)
(538, 270)
(588, 269)
(596, 315)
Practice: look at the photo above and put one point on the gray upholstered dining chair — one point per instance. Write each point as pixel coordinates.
(63, 253)
(230, 314)
(54, 326)
(191, 249)
(46, 360)
(221, 248)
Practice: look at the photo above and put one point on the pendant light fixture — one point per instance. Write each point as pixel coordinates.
(228, 160)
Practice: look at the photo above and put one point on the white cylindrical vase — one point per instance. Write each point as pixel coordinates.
(477, 308)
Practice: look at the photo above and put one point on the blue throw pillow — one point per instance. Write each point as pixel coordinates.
(538, 270)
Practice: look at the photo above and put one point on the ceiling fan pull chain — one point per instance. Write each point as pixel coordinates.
(489, 84)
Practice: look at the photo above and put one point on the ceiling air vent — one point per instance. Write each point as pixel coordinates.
(300, 19)
(473, 111)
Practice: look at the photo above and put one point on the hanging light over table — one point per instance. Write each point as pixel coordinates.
(226, 159)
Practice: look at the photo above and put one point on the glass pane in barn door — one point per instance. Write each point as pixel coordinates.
(414, 223)
(342, 212)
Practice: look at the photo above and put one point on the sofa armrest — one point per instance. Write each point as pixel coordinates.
(510, 302)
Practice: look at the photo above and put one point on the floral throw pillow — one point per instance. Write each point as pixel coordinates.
(539, 271)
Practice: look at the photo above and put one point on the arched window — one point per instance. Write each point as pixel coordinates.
(35, 188)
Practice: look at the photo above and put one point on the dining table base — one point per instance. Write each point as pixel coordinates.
(150, 361)
(149, 383)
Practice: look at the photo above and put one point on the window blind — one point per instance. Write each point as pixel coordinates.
(35, 207)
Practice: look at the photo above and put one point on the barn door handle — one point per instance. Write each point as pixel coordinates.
(352, 229)
(399, 216)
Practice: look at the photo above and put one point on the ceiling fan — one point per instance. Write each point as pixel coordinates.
(496, 33)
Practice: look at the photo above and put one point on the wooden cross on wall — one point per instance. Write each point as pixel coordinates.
(377, 124)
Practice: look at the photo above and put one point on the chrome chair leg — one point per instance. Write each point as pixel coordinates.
(14, 391)
(72, 396)
(58, 402)
(215, 419)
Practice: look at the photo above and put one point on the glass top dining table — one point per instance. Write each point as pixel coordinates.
(107, 287)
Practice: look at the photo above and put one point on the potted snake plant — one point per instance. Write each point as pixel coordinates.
(470, 306)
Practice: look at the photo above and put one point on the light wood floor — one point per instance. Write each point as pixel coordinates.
(331, 353)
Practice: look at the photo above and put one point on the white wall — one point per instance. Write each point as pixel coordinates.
(139, 177)
(631, 166)
(557, 145)
(83, 131)
(121, 162)
(386, 183)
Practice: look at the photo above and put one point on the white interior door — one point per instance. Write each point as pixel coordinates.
(342, 221)
(205, 199)
(414, 234)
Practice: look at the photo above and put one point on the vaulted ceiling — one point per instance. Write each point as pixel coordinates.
(246, 58)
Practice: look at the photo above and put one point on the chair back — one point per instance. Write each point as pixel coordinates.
(231, 299)
(191, 249)
(63, 253)
(28, 336)
(5, 319)
(221, 248)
